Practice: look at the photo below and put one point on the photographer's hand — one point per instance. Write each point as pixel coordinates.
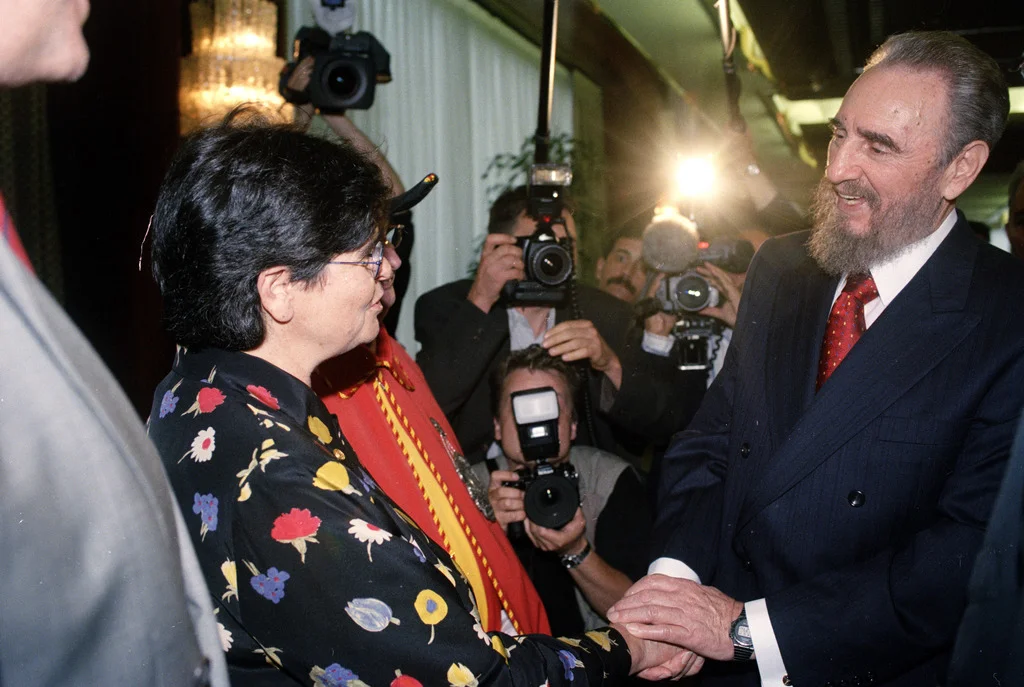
(507, 502)
(579, 340)
(660, 323)
(569, 540)
(298, 82)
(500, 261)
(730, 286)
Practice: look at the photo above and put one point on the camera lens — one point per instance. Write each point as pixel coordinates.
(343, 80)
(693, 292)
(550, 264)
(551, 501)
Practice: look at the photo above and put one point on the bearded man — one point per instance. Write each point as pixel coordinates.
(817, 521)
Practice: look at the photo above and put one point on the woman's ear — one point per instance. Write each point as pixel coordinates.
(275, 287)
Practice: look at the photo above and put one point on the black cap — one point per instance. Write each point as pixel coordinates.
(406, 201)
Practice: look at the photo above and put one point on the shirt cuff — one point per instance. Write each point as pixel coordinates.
(673, 568)
(657, 344)
(766, 647)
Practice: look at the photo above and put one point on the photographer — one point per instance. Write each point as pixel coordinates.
(467, 327)
(584, 567)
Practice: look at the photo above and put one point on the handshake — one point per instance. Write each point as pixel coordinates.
(672, 625)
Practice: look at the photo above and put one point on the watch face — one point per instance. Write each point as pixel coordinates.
(740, 632)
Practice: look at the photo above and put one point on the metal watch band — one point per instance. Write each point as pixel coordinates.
(742, 642)
(572, 560)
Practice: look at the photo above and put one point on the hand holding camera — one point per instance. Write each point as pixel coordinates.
(579, 340)
(500, 261)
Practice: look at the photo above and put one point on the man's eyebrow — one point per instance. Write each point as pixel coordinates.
(881, 139)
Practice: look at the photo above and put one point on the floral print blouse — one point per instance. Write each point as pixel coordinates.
(317, 577)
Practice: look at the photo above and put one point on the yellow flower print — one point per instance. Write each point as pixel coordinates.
(317, 427)
(499, 647)
(334, 477)
(431, 608)
(570, 641)
(602, 639)
(461, 676)
(230, 572)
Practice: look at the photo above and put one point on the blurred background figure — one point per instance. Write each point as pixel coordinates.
(101, 583)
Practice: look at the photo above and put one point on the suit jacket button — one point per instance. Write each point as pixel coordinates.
(745, 449)
(747, 565)
(856, 498)
(870, 677)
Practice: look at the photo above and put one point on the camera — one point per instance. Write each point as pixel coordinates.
(689, 291)
(552, 491)
(548, 259)
(346, 69)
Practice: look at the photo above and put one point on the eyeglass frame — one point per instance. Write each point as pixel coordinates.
(376, 259)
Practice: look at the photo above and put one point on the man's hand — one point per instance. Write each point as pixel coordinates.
(660, 323)
(507, 502)
(658, 660)
(298, 81)
(500, 261)
(569, 540)
(680, 612)
(729, 286)
(579, 340)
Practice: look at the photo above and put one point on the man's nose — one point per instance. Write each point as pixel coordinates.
(842, 163)
(391, 257)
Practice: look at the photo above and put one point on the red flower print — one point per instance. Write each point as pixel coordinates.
(295, 524)
(208, 398)
(296, 527)
(264, 396)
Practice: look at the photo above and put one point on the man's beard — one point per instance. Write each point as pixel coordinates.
(892, 230)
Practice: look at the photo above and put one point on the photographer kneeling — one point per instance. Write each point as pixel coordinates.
(594, 507)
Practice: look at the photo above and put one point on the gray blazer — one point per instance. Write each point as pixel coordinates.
(100, 585)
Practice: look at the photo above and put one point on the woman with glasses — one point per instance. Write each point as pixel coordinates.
(268, 253)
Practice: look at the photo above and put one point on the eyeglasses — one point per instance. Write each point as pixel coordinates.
(375, 260)
(393, 236)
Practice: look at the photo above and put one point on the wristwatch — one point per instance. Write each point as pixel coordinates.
(742, 642)
(570, 561)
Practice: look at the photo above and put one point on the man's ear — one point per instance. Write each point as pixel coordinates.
(275, 287)
(964, 169)
(599, 270)
(497, 430)
(572, 430)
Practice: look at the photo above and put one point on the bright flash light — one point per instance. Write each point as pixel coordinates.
(695, 176)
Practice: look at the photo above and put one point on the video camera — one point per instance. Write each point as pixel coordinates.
(552, 491)
(347, 66)
(548, 260)
(672, 246)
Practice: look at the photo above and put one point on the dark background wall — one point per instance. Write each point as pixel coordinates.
(112, 135)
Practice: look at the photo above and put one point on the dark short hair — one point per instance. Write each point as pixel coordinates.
(536, 359)
(632, 228)
(507, 207)
(978, 99)
(244, 196)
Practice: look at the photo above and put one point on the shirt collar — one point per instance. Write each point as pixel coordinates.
(896, 272)
(265, 387)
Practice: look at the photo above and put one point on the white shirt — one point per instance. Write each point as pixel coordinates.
(890, 278)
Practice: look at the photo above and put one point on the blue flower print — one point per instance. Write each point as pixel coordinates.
(367, 481)
(416, 549)
(336, 676)
(271, 585)
(205, 505)
(569, 661)
(168, 403)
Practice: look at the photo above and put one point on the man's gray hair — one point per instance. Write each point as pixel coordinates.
(979, 101)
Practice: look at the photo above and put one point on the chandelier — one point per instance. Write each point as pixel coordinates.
(233, 61)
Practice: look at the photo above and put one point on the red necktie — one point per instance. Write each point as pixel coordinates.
(845, 323)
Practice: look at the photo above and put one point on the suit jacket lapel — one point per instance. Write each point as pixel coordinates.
(800, 310)
(914, 333)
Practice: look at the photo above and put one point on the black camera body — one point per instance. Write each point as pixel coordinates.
(688, 291)
(552, 493)
(548, 264)
(346, 70)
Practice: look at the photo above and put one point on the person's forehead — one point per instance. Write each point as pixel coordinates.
(907, 105)
(633, 247)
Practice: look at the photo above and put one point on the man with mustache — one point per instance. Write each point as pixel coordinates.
(818, 519)
(621, 272)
